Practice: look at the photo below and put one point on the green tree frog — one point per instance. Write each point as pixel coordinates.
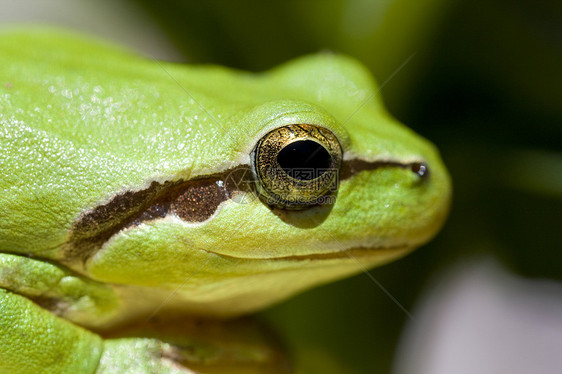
(142, 199)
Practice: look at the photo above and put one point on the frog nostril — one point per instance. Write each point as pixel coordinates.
(421, 169)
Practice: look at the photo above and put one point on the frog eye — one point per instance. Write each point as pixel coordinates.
(297, 166)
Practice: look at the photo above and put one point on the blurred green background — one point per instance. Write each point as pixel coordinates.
(481, 79)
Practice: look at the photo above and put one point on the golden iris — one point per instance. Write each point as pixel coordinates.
(297, 166)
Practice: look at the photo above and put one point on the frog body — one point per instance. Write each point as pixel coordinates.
(131, 189)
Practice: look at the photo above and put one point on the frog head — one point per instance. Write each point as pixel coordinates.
(228, 190)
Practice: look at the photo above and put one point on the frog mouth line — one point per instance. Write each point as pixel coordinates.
(193, 201)
(354, 253)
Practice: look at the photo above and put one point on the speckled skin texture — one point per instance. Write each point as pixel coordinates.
(82, 121)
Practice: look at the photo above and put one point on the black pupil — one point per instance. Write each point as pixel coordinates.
(304, 159)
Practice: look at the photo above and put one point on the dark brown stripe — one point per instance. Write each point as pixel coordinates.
(352, 167)
(193, 201)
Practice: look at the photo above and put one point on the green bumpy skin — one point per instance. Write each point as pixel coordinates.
(83, 123)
